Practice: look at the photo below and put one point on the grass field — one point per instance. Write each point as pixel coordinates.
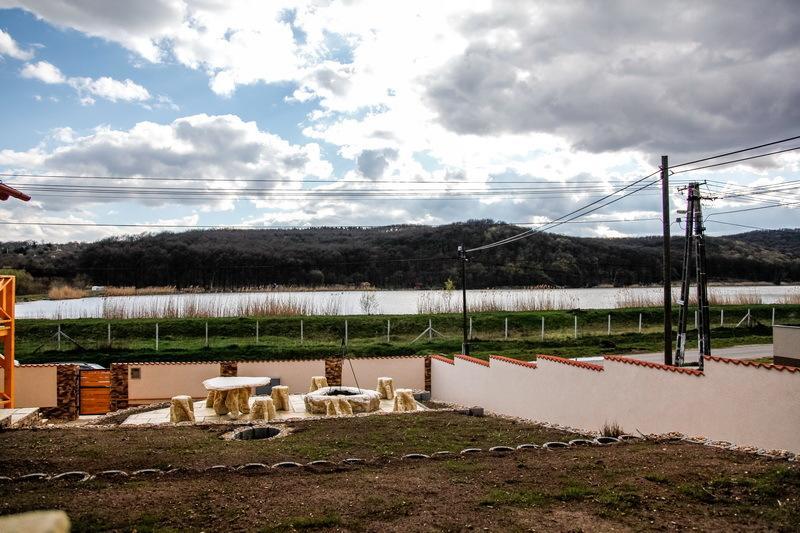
(279, 337)
(643, 486)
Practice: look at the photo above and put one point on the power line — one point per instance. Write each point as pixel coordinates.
(736, 160)
(531, 231)
(285, 180)
(248, 227)
(737, 225)
(735, 152)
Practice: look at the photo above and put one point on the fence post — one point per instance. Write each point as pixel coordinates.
(722, 317)
(695, 320)
(430, 329)
(576, 326)
(156, 336)
(609, 324)
(388, 330)
(345, 332)
(773, 316)
(206, 334)
(640, 322)
(256, 331)
(469, 336)
(109, 334)
(59, 337)
(542, 328)
(748, 317)
(506, 329)
(302, 333)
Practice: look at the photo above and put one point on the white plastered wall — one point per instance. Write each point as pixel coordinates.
(406, 372)
(744, 404)
(34, 385)
(162, 381)
(294, 374)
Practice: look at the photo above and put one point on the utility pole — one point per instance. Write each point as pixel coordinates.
(462, 254)
(704, 348)
(695, 242)
(683, 316)
(665, 220)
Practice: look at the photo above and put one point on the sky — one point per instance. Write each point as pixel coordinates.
(130, 117)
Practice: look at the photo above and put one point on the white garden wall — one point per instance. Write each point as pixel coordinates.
(746, 403)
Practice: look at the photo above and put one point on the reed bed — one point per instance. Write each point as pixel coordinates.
(791, 298)
(142, 291)
(193, 307)
(448, 302)
(65, 292)
(716, 297)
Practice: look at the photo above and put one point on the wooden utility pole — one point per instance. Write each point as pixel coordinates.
(665, 220)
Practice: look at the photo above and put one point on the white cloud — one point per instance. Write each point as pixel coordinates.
(88, 88)
(214, 155)
(10, 48)
(43, 71)
(110, 89)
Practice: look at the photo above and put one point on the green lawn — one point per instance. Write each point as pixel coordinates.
(279, 337)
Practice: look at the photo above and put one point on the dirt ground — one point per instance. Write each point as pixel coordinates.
(641, 486)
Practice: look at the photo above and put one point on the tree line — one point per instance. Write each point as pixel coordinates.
(406, 256)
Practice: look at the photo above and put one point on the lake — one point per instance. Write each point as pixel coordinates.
(377, 302)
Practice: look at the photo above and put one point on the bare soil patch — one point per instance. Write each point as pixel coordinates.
(641, 486)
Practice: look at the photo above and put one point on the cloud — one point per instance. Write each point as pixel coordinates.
(372, 163)
(110, 89)
(44, 72)
(214, 154)
(616, 77)
(88, 88)
(139, 26)
(10, 48)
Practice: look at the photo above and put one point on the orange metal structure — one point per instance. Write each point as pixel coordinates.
(7, 300)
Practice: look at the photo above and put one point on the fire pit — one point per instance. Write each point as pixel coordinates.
(361, 400)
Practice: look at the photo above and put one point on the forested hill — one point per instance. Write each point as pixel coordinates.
(393, 257)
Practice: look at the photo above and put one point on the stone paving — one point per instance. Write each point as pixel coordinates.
(17, 417)
(206, 415)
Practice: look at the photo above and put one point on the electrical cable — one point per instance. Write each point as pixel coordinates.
(735, 160)
(735, 152)
(531, 231)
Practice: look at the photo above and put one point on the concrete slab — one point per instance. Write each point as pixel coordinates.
(206, 415)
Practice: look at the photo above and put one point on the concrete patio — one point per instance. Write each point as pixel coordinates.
(206, 415)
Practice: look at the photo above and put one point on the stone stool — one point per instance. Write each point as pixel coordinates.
(404, 401)
(181, 409)
(318, 382)
(280, 397)
(386, 388)
(263, 409)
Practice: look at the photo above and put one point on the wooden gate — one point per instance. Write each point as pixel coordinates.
(95, 392)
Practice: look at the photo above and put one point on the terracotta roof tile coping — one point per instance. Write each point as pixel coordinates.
(657, 366)
(768, 366)
(472, 359)
(571, 362)
(443, 359)
(526, 364)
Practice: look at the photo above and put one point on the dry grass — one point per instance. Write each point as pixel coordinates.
(611, 429)
(65, 292)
